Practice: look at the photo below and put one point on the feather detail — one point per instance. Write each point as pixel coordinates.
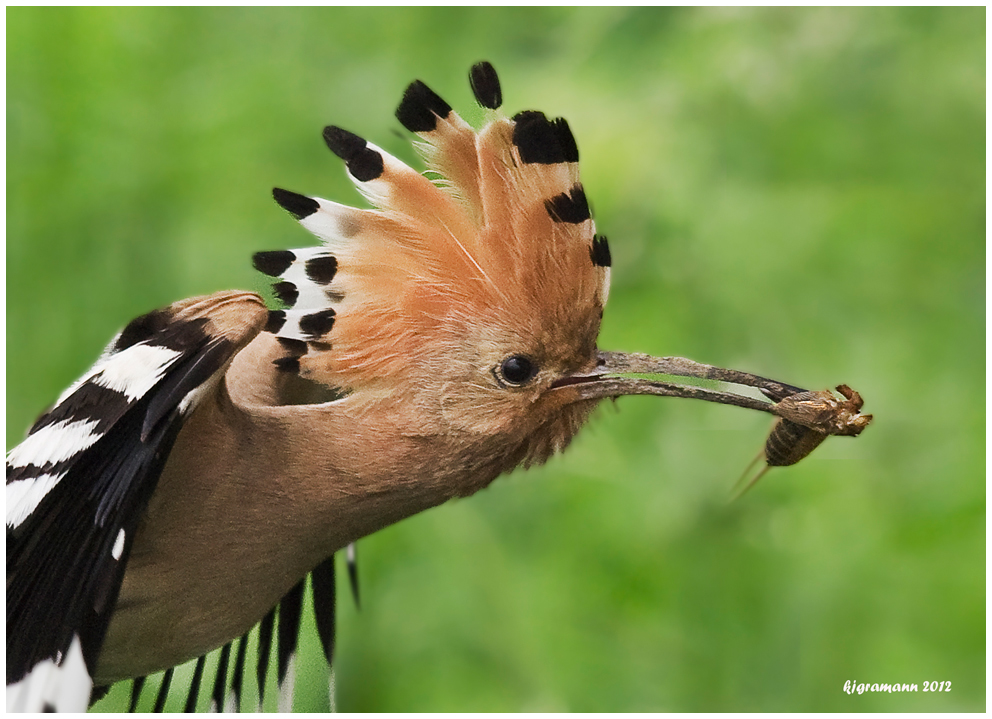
(194, 688)
(78, 485)
(290, 611)
(61, 684)
(448, 147)
(502, 230)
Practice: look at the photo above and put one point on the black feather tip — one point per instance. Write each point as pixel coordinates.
(322, 269)
(543, 141)
(485, 85)
(277, 318)
(274, 262)
(600, 251)
(420, 108)
(286, 292)
(318, 324)
(299, 206)
(364, 163)
(571, 207)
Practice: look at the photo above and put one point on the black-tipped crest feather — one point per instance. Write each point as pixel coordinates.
(543, 141)
(299, 206)
(571, 207)
(364, 163)
(420, 108)
(600, 251)
(485, 85)
(273, 262)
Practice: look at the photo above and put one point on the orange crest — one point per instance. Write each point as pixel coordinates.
(496, 256)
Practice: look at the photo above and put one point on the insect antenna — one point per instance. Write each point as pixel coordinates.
(742, 485)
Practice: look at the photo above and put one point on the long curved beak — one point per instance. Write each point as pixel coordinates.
(820, 411)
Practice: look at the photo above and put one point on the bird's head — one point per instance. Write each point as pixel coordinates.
(468, 291)
(470, 297)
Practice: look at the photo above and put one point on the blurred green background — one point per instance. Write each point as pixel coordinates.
(798, 193)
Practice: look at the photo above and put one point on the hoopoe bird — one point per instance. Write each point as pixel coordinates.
(220, 452)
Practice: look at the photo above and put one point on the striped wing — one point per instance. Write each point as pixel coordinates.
(78, 484)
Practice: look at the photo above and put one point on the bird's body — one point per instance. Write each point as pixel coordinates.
(219, 451)
(205, 566)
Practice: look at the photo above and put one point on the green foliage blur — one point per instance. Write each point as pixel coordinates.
(794, 192)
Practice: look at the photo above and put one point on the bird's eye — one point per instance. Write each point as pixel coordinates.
(516, 370)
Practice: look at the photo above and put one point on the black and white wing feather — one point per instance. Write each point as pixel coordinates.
(78, 484)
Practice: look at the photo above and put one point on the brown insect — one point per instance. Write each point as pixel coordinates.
(805, 420)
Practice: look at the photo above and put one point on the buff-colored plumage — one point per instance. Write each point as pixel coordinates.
(472, 260)
(434, 287)
(427, 345)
